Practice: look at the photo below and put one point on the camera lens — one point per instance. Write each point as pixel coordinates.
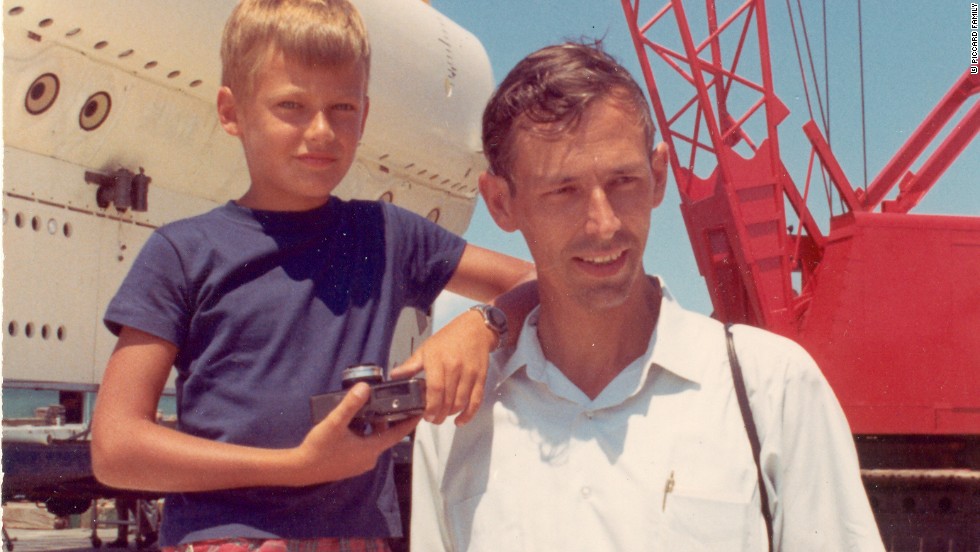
(368, 373)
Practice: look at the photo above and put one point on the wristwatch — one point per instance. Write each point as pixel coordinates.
(495, 319)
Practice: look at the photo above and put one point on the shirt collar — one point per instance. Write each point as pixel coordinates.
(676, 345)
(678, 342)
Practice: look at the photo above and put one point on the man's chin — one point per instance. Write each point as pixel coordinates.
(605, 296)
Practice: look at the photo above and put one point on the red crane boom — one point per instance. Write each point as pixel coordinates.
(886, 301)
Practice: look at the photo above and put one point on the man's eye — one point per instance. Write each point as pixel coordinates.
(345, 107)
(562, 190)
(290, 105)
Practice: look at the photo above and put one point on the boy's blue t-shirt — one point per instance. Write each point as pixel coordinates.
(266, 309)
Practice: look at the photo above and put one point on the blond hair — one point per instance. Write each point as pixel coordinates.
(313, 32)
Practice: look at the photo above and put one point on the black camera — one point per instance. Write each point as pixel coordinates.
(390, 401)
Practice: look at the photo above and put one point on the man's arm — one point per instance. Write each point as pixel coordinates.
(822, 503)
(455, 359)
(130, 450)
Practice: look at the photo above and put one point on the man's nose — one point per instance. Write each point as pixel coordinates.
(319, 129)
(602, 218)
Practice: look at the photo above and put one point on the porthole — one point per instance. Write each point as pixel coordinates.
(95, 111)
(387, 197)
(173, 74)
(29, 330)
(5, 216)
(67, 230)
(45, 23)
(35, 223)
(100, 44)
(19, 220)
(61, 333)
(150, 65)
(73, 32)
(126, 53)
(12, 329)
(433, 215)
(42, 94)
(52, 226)
(45, 332)
(16, 10)
(196, 83)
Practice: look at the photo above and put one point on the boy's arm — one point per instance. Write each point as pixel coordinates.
(130, 450)
(455, 358)
(483, 275)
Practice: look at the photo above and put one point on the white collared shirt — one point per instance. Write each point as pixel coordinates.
(659, 460)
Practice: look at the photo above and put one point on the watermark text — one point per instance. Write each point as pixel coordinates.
(974, 42)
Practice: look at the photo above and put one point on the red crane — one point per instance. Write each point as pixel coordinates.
(886, 301)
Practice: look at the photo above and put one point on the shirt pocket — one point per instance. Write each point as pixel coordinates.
(706, 523)
(474, 527)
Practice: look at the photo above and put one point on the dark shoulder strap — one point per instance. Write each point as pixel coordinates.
(749, 421)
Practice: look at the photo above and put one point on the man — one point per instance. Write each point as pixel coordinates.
(614, 424)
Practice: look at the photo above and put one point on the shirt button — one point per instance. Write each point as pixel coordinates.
(589, 414)
(586, 492)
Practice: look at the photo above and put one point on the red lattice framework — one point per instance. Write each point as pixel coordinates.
(885, 300)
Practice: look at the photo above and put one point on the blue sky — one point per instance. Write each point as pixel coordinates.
(912, 55)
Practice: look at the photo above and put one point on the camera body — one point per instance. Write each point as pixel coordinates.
(390, 401)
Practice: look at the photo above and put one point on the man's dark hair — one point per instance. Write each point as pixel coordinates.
(552, 88)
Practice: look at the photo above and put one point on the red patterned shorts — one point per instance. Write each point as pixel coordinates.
(279, 545)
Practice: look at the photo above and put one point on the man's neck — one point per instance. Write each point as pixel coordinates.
(591, 347)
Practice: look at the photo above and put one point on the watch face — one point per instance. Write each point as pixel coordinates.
(497, 318)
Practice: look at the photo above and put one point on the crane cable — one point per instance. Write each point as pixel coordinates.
(813, 70)
(824, 116)
(826, 69)
(864, 128)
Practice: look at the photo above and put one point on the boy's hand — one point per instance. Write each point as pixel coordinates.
(332, 451)
(455, 361)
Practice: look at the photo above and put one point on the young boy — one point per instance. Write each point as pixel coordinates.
(262, 302)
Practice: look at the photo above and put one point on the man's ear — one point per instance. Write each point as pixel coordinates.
(658, 166)
(496, 194)
(228, 111)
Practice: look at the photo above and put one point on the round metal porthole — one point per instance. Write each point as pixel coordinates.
(433, 215)
(42, 94)
(95, 111)
(387, 197)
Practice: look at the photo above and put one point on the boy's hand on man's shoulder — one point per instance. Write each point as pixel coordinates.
(455, 361)
(332, 451)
